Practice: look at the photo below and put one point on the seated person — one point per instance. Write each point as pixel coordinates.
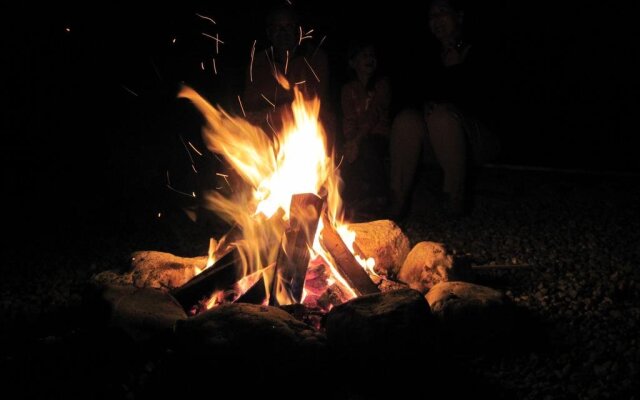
(445, 129)
(365, 103)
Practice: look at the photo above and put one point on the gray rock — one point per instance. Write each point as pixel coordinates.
(385, 242)
(383, 325)
(163, 270)
(249, 332)
(142, 314)
(471, 314)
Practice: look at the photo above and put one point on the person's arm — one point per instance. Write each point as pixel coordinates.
(349, 116)
(381, 103)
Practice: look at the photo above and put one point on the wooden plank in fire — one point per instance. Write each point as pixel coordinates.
(293, 256)
(226, 271)
(345, 262)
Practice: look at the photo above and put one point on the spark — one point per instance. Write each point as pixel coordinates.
(192, 194)
(129, 90)
(194, 149)
(207, 18)
(159, 214)
(241, 107)
(286, 63)
(301, 82)
(155, 68)
(215, 70)
(289, 2)
(253, 52)
(193, 167)
(318, 47)
(309, 65)
(270, 126)
(173, 41)
(216, 38)
(186, 149)
(268, 101)
(304, 36)
(67, 29)
(225, 179)
(202, 65)
(271, 63)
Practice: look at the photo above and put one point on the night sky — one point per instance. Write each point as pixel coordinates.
(565, 86)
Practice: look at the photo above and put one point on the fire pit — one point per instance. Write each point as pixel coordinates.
(291, 280)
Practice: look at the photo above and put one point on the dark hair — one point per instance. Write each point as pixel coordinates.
(357, 45)
(281, 9)
(457, 6)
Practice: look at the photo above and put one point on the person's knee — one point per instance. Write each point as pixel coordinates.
(442, 117)
(408, 127)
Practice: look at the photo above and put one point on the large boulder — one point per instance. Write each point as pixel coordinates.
(380, 326)
(471, 315)
(160, 270)
(247, 332)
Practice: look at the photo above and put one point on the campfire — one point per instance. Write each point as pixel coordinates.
(288, 243)
(292, 272)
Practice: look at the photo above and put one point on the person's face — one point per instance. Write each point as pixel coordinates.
(443, 22)
(365, 61)
(282, 32)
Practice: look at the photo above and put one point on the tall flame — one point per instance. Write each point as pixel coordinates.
(274, 169)
(294, 161)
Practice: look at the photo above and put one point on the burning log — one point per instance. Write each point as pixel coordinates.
(293, 256)
(226, 271)
(344, 261)
(257, 292)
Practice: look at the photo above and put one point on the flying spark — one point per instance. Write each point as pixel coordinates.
(253, 52)
(129, 90)
(268, 101)
(194, 149)
(241, 106)
(309, 65)
(207, 18)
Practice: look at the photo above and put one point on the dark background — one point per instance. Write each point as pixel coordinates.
(76, 142)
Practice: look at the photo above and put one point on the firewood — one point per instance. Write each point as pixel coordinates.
(293, 256)
(344, 261)
(226, 271)
(257, 293)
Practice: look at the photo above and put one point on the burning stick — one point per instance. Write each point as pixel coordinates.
(293, 257)
(344, 261)
(226, 271)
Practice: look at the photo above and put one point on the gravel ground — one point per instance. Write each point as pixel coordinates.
(579, 232)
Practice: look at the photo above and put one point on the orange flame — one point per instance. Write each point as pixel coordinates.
(274, 169)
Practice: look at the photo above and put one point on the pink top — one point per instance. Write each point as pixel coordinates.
(365, 112)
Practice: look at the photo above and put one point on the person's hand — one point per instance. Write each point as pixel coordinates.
(454, 55)
(351, 151)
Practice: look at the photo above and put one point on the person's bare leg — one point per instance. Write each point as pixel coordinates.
(447, 138)
(407, 137)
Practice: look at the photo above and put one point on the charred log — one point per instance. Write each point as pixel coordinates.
(293, 256)
(226, 271)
